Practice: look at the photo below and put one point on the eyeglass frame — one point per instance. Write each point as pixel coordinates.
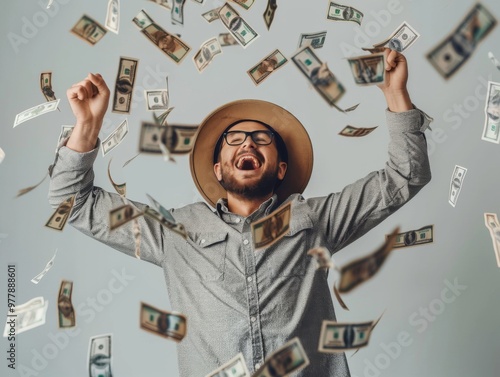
(249, 133)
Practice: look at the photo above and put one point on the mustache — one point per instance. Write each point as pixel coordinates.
(252, 152)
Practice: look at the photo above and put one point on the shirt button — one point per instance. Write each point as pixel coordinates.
(238, 220)
(253, 319)
(249, 278)
(245, 242)
(257, 366)
(247, 221)
(202, 241)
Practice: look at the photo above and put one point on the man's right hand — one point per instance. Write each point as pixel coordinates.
(89, 101)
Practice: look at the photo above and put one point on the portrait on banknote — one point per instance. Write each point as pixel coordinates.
(493, 107)
(169, 44)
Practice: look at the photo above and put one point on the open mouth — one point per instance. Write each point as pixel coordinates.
(248, 162)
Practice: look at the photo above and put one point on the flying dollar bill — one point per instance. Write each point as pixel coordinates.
(286, 360)
(164, 217)
(89, 30)
(26, 316)
(401, 39)
(178, 139)
(169, 44)
(58, 220)
(208, 50)
(337, 12)
(65, 310)
(415, 237)
(322, 256)
(236, 367)
(48, 266)
(120, 188)
(246, 4)
(491, 129)
(113, 16)
(100, 356)
(211, 15)
(167, 4)
(124, 86)
(494, 60)
(178, 12)
(322, 79)
(2, 155)
(351, 131)
(237, 26)
(25, 190)
(272, 228)
(269, 12)
(266, 66)
(227, 39)
(121, 215)
(457, 180)
(46, 86)
(491, 222)
(362, 269)
(35, 111)
(341, 337)
(315, 40)
(450, 54)
(156, 99)
(115, 138)
(66, 132)
(170, 325)
(368, 69)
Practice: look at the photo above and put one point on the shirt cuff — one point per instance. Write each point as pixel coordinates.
(408, 121)
(78, 160)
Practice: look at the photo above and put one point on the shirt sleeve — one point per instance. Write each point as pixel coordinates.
(345, 216)
(72, 174)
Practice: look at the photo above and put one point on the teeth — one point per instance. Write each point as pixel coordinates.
(254, 161)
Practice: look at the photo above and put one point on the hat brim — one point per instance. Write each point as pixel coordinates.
(291, 130)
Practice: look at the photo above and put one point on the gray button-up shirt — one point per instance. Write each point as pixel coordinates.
(238, 299)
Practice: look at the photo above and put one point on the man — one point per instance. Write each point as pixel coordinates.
(249, 158)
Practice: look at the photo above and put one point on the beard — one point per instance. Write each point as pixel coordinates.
(260, 189)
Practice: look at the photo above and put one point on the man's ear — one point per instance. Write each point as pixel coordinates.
(282, 166)
(217, 171)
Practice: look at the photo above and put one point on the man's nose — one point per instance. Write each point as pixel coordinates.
(249, 143)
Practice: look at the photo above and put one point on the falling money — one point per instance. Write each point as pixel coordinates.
(414, 237)
(100, 356)
(340, 337)
(208, 50)
(89, 30)
(113, 16)
(46, 86)
(368, 69)
(58, 220)
(401, 39)
(351, 131)
(266, 66)
(491, 222)
(288, 359)
(457, 180)
(491, 129)
(170, 325)
(315, 40)
(49, 265)
(26, 316)
(178, 139)
(236, 367)
(121, 215)
(124, 86)
(337, 12)
(272, 228)
(269, 12)
(322, 256)
(35, 111)
(65, 311)
(115, 138)
(237, 26)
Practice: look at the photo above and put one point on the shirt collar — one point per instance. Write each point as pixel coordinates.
(265, 208)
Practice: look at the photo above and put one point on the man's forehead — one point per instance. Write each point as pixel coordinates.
(248, 125)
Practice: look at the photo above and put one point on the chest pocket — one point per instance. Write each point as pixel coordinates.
(288, 257)
(205, 255)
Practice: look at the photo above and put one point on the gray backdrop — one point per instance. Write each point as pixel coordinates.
(457, 338)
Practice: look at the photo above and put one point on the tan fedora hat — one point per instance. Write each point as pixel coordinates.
(293, 133)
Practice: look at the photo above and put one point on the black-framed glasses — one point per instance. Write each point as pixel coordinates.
(260, 137)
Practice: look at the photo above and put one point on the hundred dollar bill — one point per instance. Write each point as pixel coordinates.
(164, 217)
(322, 256)
(178, 139)
(164, 3)
(113, 16)
(401, 39)
(227, 39)
(491, 222)
(46, 86)
(457, 180)
(315, 40)
(170, 325)
(340, 337)
(450, 54)
(337, 12)
(272, 228)
(362, 269)
(491, 129)
(415, 237)
(237, 26)
(89, 30)
(120, 188)
(2, 155)
(26, 316)
(65, 310)
(494, 60)
(236, 367)
(211, 15)
(169, 44)
(178, 12)
(246, 4)
(208, 50)
(322, 79)
(25, 190)
(124, 86)
(286, 360)
(115, 138)
(266, 66)
(156, 99)
(269, 12)
(48, 266)
(122, 215)
(35, 111)
(58, 219)
(66, 132)
(100, 356)
(368, 69)
(351, 131)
